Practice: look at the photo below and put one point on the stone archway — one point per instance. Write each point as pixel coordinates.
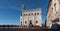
(30, 23)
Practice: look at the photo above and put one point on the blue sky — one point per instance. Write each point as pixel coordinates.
(11, 9)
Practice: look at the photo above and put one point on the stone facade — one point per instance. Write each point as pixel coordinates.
(53, 13)
(33, 16)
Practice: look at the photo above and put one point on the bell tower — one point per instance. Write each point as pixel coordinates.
(23, 11)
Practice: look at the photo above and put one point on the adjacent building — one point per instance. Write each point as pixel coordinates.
(31, 17)
(53, 13)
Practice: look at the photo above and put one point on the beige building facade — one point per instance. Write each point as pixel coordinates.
(31, 17)
(53, 13)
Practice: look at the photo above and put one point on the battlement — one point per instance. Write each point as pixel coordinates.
(37, 9)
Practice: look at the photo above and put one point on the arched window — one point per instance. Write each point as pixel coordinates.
(36, 21)
(21, 22)
(35, 13)
(29, 14)
(26, 14)
(25, 21)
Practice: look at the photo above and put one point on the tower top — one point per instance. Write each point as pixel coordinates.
(23, 5)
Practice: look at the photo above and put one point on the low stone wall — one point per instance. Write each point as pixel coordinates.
(31, 29)
(26, 29)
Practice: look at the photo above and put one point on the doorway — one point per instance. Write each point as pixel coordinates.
(30, 23)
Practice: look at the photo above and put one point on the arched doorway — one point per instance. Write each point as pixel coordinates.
(30, 23)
